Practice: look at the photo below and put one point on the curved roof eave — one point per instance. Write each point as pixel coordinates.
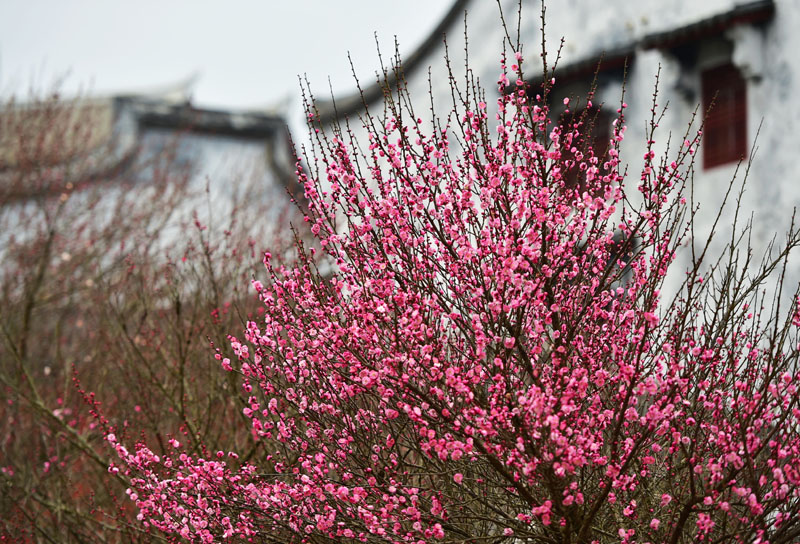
(329, 110)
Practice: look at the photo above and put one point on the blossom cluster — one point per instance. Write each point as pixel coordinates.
(482, 351)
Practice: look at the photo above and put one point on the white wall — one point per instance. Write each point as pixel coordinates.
(767, 58)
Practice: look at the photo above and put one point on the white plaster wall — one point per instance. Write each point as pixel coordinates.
(226, 173)
(768, 59)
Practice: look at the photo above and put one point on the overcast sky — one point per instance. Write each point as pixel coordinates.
(247, 53)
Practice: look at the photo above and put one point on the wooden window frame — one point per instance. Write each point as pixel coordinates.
(724, 92)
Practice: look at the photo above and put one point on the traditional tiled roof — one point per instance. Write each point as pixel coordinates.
(328, 110)
(756, 12)
(185, 116)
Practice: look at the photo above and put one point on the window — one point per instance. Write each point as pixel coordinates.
(725, 132)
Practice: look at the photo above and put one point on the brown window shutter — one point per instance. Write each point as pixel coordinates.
(725, 131)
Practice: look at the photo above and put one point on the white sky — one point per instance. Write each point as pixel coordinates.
(247, 53)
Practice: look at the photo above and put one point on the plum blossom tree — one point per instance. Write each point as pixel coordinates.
(479, 350)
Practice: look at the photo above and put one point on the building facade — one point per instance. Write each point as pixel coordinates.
(740, 55)
(123, 138)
